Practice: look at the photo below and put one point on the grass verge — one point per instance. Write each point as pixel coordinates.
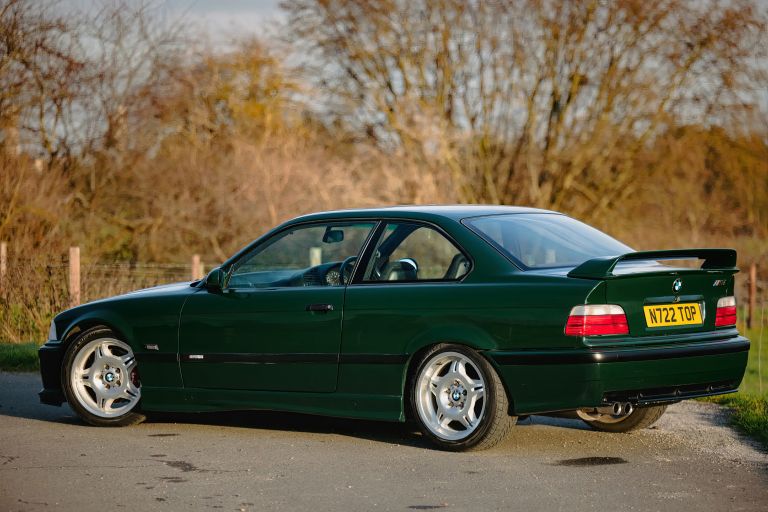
(749, 413)
(749, 407)
(19, 357)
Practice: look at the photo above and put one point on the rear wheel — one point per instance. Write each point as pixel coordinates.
(100, 379)
(458, 399)
(639, 418)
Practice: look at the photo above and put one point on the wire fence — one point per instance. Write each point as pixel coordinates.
(33, 290)
(105, 279)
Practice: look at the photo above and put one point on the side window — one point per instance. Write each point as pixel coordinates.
(415, 252)
(317, 255)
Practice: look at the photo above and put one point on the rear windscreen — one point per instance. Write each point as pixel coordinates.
(541, 240)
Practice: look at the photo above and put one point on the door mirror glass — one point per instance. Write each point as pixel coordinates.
(215, 280)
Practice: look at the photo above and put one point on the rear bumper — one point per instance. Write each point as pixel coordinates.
(551, 380)
(51, 355)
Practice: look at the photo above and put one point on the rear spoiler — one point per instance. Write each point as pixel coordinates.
(601, 268)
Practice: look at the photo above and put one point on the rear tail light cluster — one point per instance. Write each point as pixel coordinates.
(597, 320)
(726, 312)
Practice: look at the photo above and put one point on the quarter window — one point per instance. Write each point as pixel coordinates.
(415, 252)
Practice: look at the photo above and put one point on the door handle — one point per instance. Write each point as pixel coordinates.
(321, 308)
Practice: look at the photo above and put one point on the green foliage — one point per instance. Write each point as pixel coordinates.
(749, 414)
(749, 407)
(19, 357)
(756, 377)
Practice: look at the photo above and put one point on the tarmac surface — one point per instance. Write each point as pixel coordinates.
(49, 460)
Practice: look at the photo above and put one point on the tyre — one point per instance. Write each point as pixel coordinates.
(458, 399)
(639, 418)
(100, 379)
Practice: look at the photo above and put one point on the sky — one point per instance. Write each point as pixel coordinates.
(220, 20)
(223, 19)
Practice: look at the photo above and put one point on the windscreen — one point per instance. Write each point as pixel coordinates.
(541, 240)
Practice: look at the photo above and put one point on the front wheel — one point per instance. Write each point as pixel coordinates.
(459, 400)
(100, 379)
(639, 418)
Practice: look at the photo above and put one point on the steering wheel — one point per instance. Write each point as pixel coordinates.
(343, 267)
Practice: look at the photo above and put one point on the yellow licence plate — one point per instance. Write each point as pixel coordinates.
(664, 315)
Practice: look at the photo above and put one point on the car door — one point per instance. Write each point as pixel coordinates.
(276, 324)
(409, 286)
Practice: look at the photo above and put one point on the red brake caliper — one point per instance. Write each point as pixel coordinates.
(135, 377)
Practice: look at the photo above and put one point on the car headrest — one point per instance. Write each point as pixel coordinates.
(400, 271)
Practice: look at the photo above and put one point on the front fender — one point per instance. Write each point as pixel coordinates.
(148, 324)
(91, 318)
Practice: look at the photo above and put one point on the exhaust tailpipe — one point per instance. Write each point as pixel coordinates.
(616, 409)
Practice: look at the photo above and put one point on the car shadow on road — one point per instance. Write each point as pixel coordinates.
(18, 398)
(386, 432)
(406, 434)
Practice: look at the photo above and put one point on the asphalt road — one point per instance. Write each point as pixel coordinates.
(49, 460)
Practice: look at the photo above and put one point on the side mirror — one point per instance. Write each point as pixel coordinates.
(215, 280)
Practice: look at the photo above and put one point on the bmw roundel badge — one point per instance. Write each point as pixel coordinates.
(677, 285)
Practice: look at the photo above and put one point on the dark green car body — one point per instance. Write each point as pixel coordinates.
(202, 349)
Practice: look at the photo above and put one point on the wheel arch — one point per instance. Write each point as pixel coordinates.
(459, 334)
(99, 318)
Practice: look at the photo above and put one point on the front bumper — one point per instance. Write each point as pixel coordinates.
(555, 380)
(51, 356)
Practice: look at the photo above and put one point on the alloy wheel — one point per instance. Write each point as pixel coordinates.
(450, 396)
(104, 378)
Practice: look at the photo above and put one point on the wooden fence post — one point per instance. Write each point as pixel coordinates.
(752, 301)
(74, 276)
(3, 263)
(197, 268)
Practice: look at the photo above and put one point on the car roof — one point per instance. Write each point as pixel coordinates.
(424, 212)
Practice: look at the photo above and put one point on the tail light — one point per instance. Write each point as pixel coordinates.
(596, 320)
(726, 312)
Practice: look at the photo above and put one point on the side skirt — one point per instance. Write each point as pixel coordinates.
(342, 405)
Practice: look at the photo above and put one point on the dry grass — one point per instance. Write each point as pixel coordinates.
(34, 291)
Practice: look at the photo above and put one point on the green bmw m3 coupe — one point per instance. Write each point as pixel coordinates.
(460, 318)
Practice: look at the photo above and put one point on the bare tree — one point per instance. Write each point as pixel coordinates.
(39, 72)
(530, 101)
